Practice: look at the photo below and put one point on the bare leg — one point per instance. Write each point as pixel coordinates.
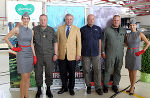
(27, 84)
(22, 85)
(130, 76)
(133, 80)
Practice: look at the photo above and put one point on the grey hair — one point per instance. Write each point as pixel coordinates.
(68, 15)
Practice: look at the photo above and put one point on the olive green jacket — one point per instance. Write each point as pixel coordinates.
(113, 42)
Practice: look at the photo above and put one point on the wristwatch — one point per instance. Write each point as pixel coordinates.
(102, 53)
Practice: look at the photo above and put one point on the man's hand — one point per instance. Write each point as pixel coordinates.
(77, 58)
(55, 57)
(104, 55)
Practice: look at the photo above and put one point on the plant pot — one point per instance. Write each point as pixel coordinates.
(145, 77)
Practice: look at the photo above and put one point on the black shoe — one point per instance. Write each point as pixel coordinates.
(131, 94)
(71, 91)
(88, 90)
(105, 89)
(115, 88)
(129, 90)
(49, 94)
(62, 91)
(99, 92)
(38, 94)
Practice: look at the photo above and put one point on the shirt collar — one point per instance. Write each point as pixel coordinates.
(67, 27)
(90, 27)
(46, 29)
(115, 28)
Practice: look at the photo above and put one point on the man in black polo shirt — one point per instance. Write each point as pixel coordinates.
(91, 53)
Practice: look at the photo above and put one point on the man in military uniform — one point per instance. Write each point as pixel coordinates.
(44, 39)
(113, 51)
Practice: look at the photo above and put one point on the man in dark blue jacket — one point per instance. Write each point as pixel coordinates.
(91, 53)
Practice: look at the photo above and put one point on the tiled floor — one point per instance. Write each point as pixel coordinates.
(142, 90)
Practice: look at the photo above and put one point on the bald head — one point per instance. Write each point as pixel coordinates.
(91, 20)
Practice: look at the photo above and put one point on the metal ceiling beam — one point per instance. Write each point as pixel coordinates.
(136, 4)
(146, 9)
(139, 7)
(110, 1)
(142, 14)
(81, 1)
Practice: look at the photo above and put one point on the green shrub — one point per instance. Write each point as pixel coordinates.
(146, 61)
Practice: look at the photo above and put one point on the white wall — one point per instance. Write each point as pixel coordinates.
(145, 20)
(2, 8)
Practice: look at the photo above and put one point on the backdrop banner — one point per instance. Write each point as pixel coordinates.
(104, 14)
(16, 8)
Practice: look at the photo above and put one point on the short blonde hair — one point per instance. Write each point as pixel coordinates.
(116, 16)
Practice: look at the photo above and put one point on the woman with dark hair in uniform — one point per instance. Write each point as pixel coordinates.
(133, 55)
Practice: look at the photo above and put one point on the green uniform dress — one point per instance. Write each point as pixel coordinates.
(44, 41)
(113, 46)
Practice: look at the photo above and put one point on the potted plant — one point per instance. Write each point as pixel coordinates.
(145, 70)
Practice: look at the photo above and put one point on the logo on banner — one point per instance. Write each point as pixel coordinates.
(20, 9)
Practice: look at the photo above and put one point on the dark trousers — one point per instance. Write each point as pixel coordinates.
(49, 67)
(67, 71)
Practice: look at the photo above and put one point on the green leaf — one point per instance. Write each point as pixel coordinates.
(146, 61)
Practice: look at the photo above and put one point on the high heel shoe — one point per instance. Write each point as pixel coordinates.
(129, 90)
(132, 93)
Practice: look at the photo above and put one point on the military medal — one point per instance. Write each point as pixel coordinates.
(44, 36)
